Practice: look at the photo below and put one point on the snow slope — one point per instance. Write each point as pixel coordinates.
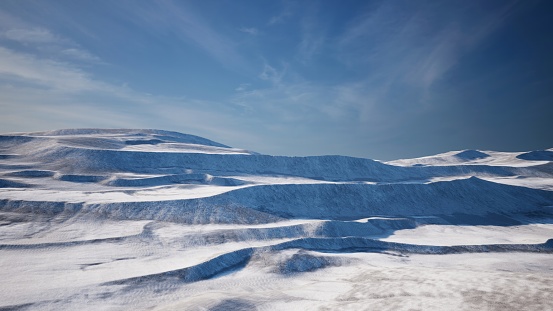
(143, 219)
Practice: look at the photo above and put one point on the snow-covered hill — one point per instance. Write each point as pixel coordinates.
(129, 214)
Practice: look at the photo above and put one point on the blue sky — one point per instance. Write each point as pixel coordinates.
(377, 79)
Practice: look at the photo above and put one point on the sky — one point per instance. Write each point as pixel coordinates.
(382, 79)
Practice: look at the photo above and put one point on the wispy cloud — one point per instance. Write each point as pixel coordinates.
(242, 87)
(82, 55)
(33, 35)
(414, 44)
(175, 17)
(312, 38)
(28, 69)
(281, 17)
(289, 98)
(252, 31)
(44, 40)
(398, 51)
(269, 73)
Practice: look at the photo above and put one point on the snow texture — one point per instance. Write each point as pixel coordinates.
(149, 219)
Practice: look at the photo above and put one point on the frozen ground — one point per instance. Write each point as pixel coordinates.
(148, 219)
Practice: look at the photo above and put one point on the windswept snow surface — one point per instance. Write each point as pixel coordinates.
(147, 219)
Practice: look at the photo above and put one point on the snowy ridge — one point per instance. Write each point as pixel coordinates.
(129, 214)
(478, 157)
(241, 257)
(153, 135)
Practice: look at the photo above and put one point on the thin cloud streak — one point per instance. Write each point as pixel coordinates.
(173, 17)
(285, 14)
(34, 35)
(81, 55)
(412, 47)
(25, 68)
(312, 39)
(45, 41)
(252, 31)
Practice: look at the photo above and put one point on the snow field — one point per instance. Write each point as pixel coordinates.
(146, 219)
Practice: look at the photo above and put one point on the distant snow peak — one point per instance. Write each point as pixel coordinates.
(471, 155)
(538, 155)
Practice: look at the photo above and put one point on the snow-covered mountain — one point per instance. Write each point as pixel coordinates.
(141, 217)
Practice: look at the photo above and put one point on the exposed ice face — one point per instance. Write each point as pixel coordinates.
(142, 219)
